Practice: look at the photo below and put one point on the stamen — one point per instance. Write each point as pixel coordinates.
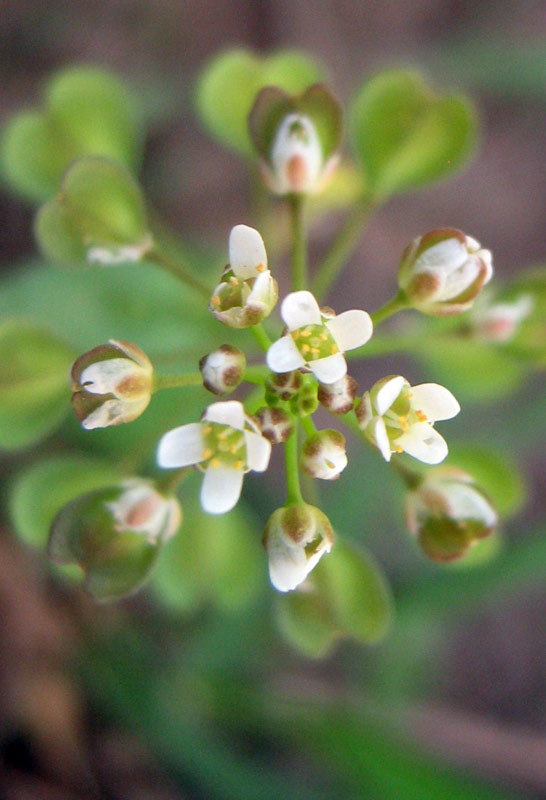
(233, 280)
(334, 349)
(323, 337)
(305, 334)
(421, 416)
(305, 348)
(260, 268)
(215, 463)
(238, 464)
(215, 300)
(207, 429)
(398, 448)
(315, 351)
(207, 453)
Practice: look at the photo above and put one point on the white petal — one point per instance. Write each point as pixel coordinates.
(182, 446)
(446, 255)
(284, 356)
(299, 309)
(329, 369)
(258, 451)
(264, 291)
(388, 394)
(111, 412)
(288, 566)
(424, 443)
(350, 329)
(459, 280)
(435, 401)
(467, 503)
(229, 412)
(379, 433)
(246, 251)
(103, 377)
(221, 489)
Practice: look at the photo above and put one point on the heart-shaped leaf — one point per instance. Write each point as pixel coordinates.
(87, 111)
(405, 136)
(34, 394)
(228, 87)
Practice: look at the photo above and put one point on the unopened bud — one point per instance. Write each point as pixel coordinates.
(338, 397)
(223, 369)
(305, 402)
(283, 385)
(499, 322)
(111, 384)
(448, 514)
(441, 272)
(323, 455)
(275, 424)
(295, 537)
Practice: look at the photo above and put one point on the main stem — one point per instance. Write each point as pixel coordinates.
(293, 488)
(299, 250)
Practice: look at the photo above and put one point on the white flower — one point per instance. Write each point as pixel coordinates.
(111, 384)
(316, 341)
(296, 537)
(224, 445)
(397, 418)
(247, 292)
(141, 508)
(442, 272)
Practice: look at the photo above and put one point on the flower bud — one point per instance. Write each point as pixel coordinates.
(296, 138)
(247, 292)
(338, 397)
(223, 369)
(283, 385)
(295, 539)
(305, 402)
(499, 322)
(448, 514)
(442, 272)
(323, 455)
(275, 424)
(115, 535)
(111, 384)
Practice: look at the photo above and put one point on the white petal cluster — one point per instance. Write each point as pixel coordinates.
(296, 538)
(141, 508)
(225, 445)
(316, 341)
(247, 292)
(397, 418)
(442, 272)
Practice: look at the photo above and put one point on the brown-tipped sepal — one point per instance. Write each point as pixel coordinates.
(223, 369)
(323, 455)
(275, 424)
(338, 397)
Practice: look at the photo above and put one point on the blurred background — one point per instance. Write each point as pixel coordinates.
(188, 699)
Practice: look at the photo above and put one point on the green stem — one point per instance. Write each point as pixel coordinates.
(346, 241)
(299, 249)
(158, 257)
(397, 303)
(411, 477)
(291, 456)
(261, 337)
(308, 426)
(256, 374)
(255, 400)
(170, 482)
(177, 381)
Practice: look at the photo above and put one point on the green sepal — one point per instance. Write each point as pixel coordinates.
(87, 111)
(406, 136)
(34, 396)
(229, 84)
(100, 205)
(346, 595)
(115, 562)
(273, 104)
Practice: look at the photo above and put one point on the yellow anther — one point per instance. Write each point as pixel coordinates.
(215, 300)
(215, 463)
(305, 348)
(421, 416)
(207, 453)
(305, 334)
(323, 337)
(207, 429)
(295, 335)
(233, 449)
(334, 349)
(260, 268)
(223, 435)
(398, 448)
(238, 464)
(315, 351)
(403, 422)
(233, 280)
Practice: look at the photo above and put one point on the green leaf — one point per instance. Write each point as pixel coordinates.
(345, 595)
(214, 559)
(34, 391)
(494, 471)
(101, 206)
(406, 136)
(87, 111)
(229, 84)
(42, 489)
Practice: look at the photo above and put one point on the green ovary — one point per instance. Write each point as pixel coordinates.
(314, 342)
(223, 446)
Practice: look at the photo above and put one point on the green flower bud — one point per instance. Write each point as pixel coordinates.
(296, 138)
(223, 369)
(448, 514)
(295, 538)
(111, 384)
(323, 455)
(275, 424)
(443, 271)
(98, 217)
(114, 535)
(283, 386)
(305, 402)
(338, 397)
